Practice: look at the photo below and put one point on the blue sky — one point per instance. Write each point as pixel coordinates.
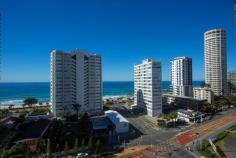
(123, 31)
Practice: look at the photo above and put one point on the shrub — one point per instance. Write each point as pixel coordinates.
(221, 136)
(221, 152)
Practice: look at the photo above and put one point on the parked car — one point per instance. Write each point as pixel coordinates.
(82, 155)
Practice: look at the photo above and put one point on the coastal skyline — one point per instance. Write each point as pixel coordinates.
(117, 31)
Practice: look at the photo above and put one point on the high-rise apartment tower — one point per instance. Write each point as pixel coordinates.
(181, 76)
(216, 61)
(76, 78)
(147, 87)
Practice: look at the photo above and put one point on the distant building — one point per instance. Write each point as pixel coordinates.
(190, 116)
(231, 80)
(182, 102)
(181, 76)
(121, 123)
(216, 61)
(76, 78)
(204, 93)
(147, 87)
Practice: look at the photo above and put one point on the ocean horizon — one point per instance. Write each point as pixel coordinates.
(16, 92)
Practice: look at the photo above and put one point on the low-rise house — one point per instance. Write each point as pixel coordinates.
(190, 116)
(121, 123)
(182, 102)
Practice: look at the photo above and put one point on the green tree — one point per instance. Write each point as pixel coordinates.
(30, 101)
(173, 115)
(77, 108)
(48, 146)
(3, 153)
(64, 109)
(57, 148)
(90, 142)
(207, 108)
(66, 148)
(82, 146)
(27, 153)
(76, 147)
(11, 106)
(97, 145)
(85, 124)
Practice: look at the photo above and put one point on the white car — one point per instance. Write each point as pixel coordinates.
(81, 155)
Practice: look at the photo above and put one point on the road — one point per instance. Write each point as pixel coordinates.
(155, 140)
(206, 129)
(170, 143)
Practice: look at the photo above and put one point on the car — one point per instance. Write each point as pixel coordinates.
(82, 155)
(116, 147)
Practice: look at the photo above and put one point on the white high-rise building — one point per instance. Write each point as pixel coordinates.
(231, 80)
(147, 87)
(216, 61)
(76, 78)
(181, 76)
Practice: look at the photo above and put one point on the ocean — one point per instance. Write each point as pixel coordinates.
(15, 93)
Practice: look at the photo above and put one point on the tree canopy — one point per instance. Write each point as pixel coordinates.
(30, 101)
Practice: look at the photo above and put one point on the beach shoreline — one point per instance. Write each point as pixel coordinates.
(19, 102)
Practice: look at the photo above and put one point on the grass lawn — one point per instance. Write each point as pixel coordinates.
(232, 134)
(150, 123)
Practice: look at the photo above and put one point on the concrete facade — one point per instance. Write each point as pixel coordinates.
(204, 93)
(216, 61)
(182, 102)
(76, 78)
(181, 76)
(231, 80)
(147, 87)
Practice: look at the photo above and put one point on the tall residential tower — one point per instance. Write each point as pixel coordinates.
(181, 76)
(231, 81)
(216, 61)
(147, 87)
(76, 78)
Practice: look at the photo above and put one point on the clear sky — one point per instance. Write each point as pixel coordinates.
(124, 32)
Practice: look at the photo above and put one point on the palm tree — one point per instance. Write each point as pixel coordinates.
(11, 106)
(77, 108)
(64, 108)
(76, 147)
(97, 145)
(66, 148)
(48, 146)
(90, 142)
(82, 145)
(173, 115)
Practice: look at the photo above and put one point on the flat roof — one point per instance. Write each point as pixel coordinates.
(183, 97)
(190, 113)
(100, 122)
